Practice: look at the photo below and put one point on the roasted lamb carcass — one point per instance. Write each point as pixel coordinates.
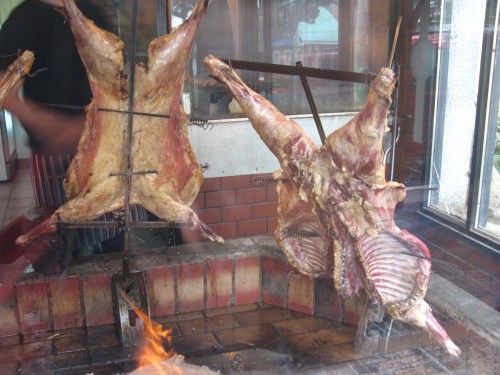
(339, 192)
(14, 73)
(165, 177)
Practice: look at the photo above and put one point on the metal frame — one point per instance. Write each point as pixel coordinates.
(476, 190)
(304, 72)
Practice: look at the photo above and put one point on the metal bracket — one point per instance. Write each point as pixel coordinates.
(130, 293)
(368, 333)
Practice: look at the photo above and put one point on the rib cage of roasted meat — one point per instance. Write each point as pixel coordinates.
(336, 209)
(15, 72)
(165, 176)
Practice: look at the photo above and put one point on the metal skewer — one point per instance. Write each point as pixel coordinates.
(394, 42)
(395, 131)
(203, 123)
(128, 179)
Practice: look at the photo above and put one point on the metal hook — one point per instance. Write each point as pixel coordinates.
(204, 167)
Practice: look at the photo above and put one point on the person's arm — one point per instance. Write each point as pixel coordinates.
(58, 133)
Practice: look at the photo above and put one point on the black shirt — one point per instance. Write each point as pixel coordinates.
(61, 77)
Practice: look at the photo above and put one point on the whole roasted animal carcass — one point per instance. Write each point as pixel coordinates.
(336, 209)
(165, 176)
(15, 72)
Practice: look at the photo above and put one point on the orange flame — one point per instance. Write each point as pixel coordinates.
(153, 350)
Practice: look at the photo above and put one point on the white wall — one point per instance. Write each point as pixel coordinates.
(233, 148)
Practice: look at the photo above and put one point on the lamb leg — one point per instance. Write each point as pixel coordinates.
(15, 72)
(420, 315)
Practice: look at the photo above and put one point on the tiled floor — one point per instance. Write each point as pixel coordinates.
(457, 258)
(16, 195)
(247, 339)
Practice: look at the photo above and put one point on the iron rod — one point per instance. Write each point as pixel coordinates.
(395, 129)
(394, 42)
(305, 71)
(130, 112)
(312, 105)
(128, 180)
(192, 120)
(118, 224)
(132, 173)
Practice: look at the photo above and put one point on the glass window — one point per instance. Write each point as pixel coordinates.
(456, 103)
(487, 208)
(148, 25)
(464, 165)
(287, 31)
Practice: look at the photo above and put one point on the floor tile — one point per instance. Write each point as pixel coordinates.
(231, 309)
(195, 344)
(24, 191)
(70, 344)
(181, 317)
(336, 353)
(9, 341)
(210, 324)
(21, 202)
(4, 202)
(5, 189)
(335, 336)
(263, 316)
(301, 343)
(306, 324)
(9, 368)
(256, 335)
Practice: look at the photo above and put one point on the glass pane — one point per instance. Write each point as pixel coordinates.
(456, 101)
(287, 31)
(488, 210)
(146, 27)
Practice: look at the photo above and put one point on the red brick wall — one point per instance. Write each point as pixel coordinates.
(235, 207)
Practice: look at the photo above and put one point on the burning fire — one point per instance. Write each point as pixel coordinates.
(153, 350)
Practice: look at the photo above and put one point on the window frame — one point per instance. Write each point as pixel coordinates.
(484, 112)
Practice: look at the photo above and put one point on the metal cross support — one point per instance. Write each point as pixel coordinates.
(303, 73)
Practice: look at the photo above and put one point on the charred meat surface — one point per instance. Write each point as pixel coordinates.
(336, 210)
(165, 176)
(15, 72)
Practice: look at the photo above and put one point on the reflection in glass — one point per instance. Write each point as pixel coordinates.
(146, 27)
(488, 208)
(278, 32)
(456, 102)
